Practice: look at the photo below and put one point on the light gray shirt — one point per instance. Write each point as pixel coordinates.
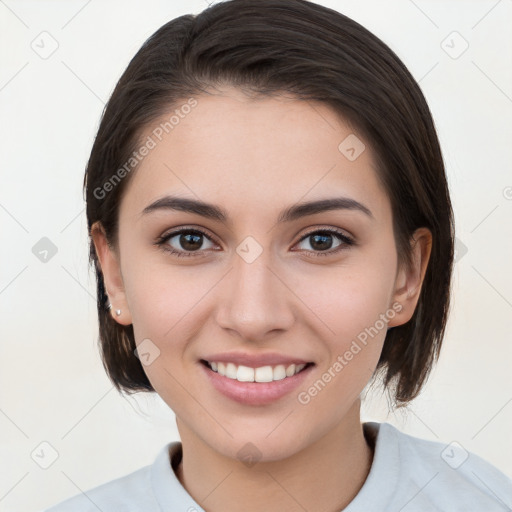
(408, 474)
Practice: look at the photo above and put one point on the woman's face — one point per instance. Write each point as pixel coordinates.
(269, 283)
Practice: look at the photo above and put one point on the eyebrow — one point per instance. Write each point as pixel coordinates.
(211, 211)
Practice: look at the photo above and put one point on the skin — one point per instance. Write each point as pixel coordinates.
(255, 157)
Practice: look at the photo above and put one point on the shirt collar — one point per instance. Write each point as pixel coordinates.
(374, 495)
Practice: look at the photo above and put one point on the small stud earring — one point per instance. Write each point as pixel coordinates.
(118, 311)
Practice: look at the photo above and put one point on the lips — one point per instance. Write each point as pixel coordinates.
(235, 380)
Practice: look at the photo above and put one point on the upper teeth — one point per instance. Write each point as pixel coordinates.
(261, 374)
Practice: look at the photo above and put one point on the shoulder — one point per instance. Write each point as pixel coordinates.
(129, 493)
(445, 476)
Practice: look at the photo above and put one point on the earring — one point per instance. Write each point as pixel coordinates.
(118, 311)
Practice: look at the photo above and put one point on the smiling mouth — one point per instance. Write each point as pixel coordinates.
(261, 374)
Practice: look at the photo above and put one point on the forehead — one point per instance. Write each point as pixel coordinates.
(253, 153)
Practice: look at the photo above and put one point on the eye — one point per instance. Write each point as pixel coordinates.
(189, 242)
(322, 241)
(184, 242)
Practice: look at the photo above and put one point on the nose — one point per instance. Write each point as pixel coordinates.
(256, 302)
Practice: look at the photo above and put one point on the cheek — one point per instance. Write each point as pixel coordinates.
(161, 314)
(348, 299)
(165, 305)
(353, 304)
(357, 314)
(158, 294)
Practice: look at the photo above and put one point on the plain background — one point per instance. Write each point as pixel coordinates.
(53, 387)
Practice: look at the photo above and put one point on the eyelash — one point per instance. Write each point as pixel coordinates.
(162, 241)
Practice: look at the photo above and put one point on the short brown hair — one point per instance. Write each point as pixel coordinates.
(315, 53)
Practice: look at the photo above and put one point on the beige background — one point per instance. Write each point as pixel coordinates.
(53, 386)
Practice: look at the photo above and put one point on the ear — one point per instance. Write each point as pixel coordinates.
(112, 277)
(409, 281)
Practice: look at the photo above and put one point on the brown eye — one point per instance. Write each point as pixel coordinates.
(321, 242)
(184, 242)
(189, 241)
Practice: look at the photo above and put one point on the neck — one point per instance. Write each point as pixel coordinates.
(326, 476)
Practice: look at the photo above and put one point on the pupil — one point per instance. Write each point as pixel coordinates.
(187, 244)
(323, 239)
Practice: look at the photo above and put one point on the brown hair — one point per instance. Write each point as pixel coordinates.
(269, 47)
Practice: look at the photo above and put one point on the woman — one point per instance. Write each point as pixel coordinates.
(272, 232)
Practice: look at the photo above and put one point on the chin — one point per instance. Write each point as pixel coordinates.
(258, 447)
